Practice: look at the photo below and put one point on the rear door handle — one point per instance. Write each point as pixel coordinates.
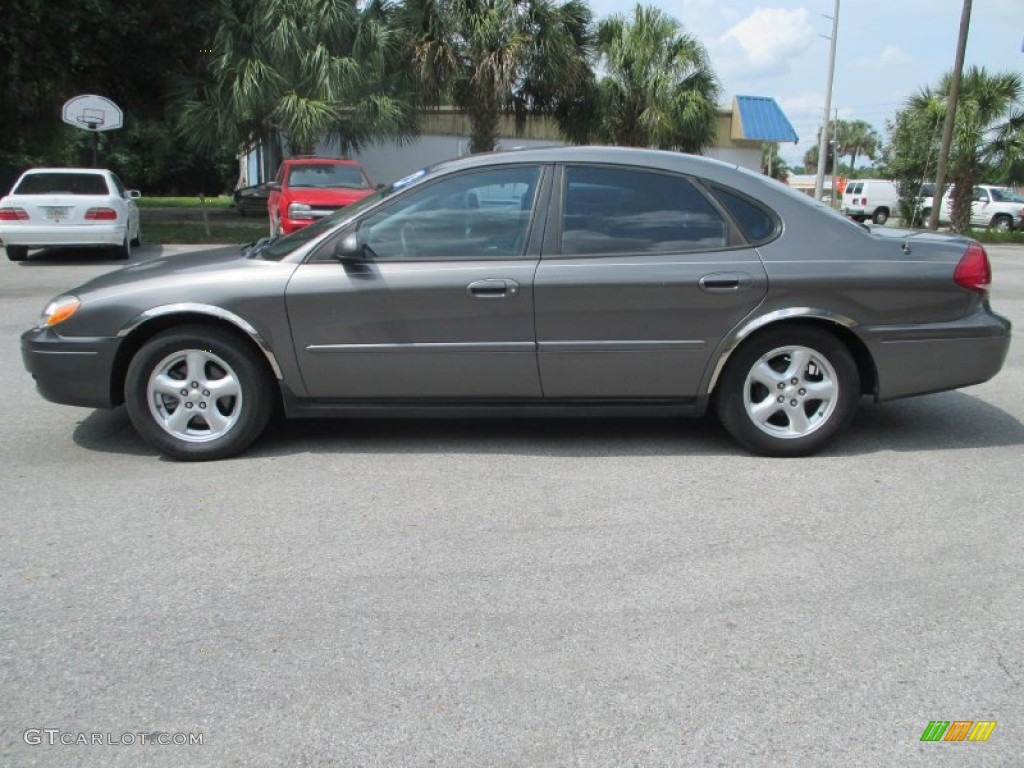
(493, 288)
(725, 282)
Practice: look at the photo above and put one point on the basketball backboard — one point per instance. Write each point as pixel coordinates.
(92, 113)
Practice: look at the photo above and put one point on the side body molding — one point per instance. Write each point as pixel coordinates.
(212, 311)
(734, 339)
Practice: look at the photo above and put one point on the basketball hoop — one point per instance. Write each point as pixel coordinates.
(92, 113)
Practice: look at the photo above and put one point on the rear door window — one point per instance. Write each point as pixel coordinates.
(624, 210)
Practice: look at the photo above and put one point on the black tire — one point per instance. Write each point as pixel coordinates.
(137, 240)
(219, 360)
(17, 252)
(780, 430)
(124, 251)
(881, 216)
(1002, 223)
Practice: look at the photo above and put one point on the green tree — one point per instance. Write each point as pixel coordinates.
(811, 156)
(659, 89)
(305, 69)
(857, 138)
(987, 121)
(129, 53)
(494, 57)
(910, 157)
(773, 165)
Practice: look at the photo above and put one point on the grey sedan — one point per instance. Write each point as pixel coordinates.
(560, 281)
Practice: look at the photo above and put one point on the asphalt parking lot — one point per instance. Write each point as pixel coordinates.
(510, 593)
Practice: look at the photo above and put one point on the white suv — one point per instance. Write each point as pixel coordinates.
(997, 207)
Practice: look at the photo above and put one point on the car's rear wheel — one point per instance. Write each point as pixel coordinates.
(124, 251)
(788, 391)
(17, 252)
(198, 393)
(881, 216)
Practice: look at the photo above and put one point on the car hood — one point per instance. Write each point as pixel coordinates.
(182, 265)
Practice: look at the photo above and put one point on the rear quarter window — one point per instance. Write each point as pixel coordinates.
(756, 222)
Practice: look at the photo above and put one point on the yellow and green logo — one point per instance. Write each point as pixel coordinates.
(958, 730)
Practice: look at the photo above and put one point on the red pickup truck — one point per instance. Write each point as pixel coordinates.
(309, 188)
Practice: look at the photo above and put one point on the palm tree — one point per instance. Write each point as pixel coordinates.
(855, 138)
(773, 165)
(984, 126)
(493, 57)
(307, 69)
(659, 89)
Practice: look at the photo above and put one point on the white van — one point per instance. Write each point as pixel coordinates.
(875, 199)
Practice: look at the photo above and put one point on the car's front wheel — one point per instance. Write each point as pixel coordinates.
(788, 391)
(198, 393)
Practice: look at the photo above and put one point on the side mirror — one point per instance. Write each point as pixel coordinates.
(134, 194)
(349, 248)
(274, 186)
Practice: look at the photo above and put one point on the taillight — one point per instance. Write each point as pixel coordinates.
(100, 214)
(13, 214)
(973, 271)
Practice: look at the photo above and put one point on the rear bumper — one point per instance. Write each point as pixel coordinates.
(50, 236)
(70, 371)
(935, 357)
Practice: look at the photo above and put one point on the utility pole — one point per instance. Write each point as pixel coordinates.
(947, 130)
(819, 180)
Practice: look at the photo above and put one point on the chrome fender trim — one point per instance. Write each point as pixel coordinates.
(736, 338)
(211, 311)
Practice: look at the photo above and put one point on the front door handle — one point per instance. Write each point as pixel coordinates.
(492, 288)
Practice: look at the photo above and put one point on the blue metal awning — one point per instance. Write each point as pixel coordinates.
(762, 119)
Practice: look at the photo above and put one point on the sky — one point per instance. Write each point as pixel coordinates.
(887, 50)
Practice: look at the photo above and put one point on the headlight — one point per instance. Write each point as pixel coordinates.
(59, 310)
(299, 211)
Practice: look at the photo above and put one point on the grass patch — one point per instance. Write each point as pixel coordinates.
(988, 236)
(183, 202)
(192, 232)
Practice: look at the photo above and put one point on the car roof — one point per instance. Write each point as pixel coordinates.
(655, 158)
(67, 170)
(311, 160)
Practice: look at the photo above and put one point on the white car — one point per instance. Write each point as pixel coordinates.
(69, 207)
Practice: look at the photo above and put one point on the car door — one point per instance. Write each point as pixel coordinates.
(979, 207)
(130, 208)
(638, 284)
(439, 302)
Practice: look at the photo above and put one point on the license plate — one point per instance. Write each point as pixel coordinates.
(56, 214)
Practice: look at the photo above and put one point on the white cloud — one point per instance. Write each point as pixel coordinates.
(764, 42)
(892, 56)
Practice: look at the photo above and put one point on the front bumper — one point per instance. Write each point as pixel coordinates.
(935, 357)
(73, 235)
(70, 371)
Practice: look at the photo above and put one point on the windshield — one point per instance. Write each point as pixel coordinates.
(277, 249)
(1003, 195)
(62, 184)
(327, 176)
